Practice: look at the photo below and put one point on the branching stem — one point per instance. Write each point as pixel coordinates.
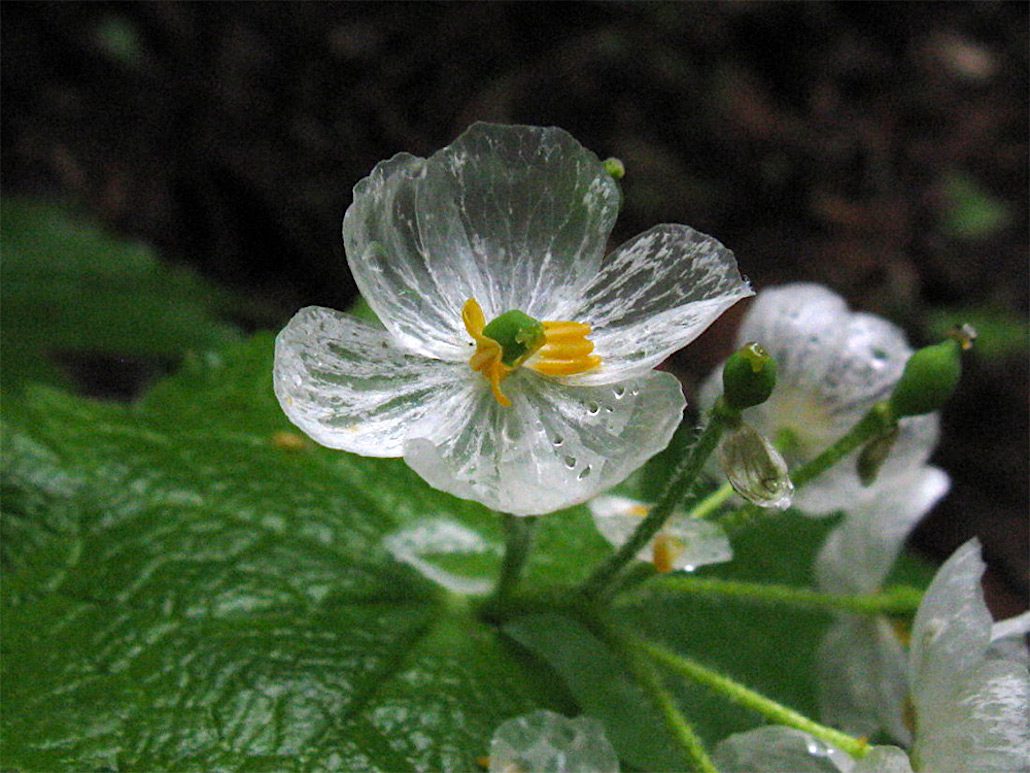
(744, 696)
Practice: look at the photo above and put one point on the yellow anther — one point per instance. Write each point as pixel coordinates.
(639, 511)
(665, 552)
(487, 359)
(566, 350)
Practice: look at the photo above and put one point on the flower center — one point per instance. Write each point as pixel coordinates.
(514, 338)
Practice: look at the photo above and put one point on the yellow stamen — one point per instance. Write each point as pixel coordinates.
(639, 511)
(487, 359)
(666, 550)
(566, 350)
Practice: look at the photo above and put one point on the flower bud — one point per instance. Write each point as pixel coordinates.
(931, 375)
(615, 168)
(748, 377)
(754, 468)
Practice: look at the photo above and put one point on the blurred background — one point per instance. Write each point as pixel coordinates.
(881, 149)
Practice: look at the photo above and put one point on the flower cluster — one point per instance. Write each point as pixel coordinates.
(515, 362)
(833, 365)
(968, 685)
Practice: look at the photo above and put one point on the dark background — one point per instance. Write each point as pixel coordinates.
(880, 149)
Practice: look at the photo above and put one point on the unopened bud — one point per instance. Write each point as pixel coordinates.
(615, 168)
(755, 469)
(748, 377)
(931, 375)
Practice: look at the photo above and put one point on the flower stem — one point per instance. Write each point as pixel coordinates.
(738, 693)
(878, 420)
(651, 683)
(677, 487)
(712, 502)
(899, 600)
(519, 531)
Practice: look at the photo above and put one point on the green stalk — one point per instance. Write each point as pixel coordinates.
(519, 538)
(744, 696)
(878, 420)
(677, 487)
(900, 600)
(712, 502)
(651, 683)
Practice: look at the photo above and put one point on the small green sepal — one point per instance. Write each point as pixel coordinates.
(518, 334)
(748, 377)
(929, 378)
(874, 454)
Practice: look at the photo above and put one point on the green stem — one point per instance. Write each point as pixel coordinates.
(738, 693)
(677, 487)
(899, 600)
(651, 683)
(878, 420)
(712, 502)
(519, 531)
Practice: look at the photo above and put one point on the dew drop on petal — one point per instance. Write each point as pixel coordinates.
(570, 462)
(593, 408)
(619, 392)
(585, 472)
(558, 441)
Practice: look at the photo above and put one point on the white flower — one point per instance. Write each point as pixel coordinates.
(485, 264)
(832, 366)
(862, 664)
(968, 685)
(683, 543)
(437, 548)
(545, 741)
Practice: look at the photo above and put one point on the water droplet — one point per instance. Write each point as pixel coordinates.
(570, 462)
(634, 391)
(619, 392)
(593, 408)
(558, 441)
(584, 473)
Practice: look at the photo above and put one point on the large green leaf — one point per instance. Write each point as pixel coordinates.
(71, 291)
(182, 592)
(188, 588)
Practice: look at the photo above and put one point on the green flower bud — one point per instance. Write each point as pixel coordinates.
(754, 468)
(931, 375)
(518, 334)
(748, 377)
(615, 168)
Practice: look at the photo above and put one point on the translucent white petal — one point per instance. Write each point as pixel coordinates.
(859, 553)
(754, 468)
(522, 213)
(979, 724)
(348, 386)
(699, 543)
(862, 671)
(1008, 639)
(548, 742)
(554, 447)
(415, 292)
(442, 551)
(777, 749)
(654, 295)
(952, 628)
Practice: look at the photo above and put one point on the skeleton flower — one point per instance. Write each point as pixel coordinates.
(862, 663)
(515, 367)
(833, 365)
(545, 741)
(968, 686)
(683, 543)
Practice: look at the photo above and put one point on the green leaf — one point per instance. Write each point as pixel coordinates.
(183, 590)
(73, 291)
(972, 212)
(189, 584)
